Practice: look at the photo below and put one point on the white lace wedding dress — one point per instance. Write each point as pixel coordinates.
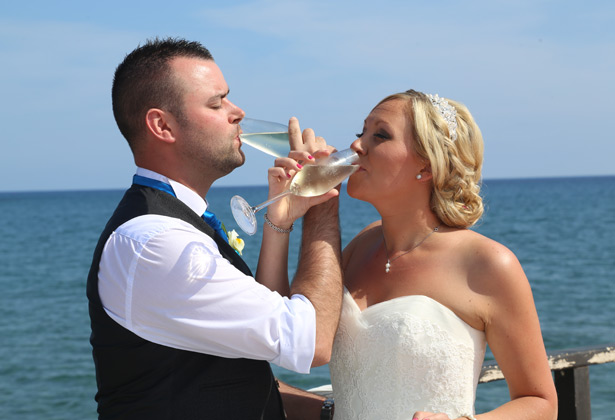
(404, 355)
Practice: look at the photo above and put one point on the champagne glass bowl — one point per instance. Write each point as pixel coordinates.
(311, 181)
(266, 136)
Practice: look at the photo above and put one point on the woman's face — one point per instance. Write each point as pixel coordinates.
(388, 164)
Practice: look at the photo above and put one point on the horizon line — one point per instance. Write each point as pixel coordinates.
(531, 178)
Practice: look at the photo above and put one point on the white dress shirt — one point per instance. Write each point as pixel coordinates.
(166, 281)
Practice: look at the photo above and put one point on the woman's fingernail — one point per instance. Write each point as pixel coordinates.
(310, 157)
(288, 175)
(299, 165)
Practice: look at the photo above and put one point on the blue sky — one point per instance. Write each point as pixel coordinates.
(537, 75)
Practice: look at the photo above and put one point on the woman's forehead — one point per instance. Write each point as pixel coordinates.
(392, 111)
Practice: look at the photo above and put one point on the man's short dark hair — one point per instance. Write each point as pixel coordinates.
(144, 80)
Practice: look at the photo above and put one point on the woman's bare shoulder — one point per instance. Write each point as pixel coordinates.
(491, 265)
(480, 249)
(366, 235)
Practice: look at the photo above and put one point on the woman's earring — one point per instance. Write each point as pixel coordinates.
(419, 176)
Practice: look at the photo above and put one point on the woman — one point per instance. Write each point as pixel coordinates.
(423, 293)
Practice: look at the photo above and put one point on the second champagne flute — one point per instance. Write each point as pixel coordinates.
(311, 181)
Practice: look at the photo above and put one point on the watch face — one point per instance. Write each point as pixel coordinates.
(326, 412)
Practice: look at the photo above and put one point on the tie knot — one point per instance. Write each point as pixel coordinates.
(214, 222)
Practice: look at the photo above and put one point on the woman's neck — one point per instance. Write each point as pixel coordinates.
(404, 228)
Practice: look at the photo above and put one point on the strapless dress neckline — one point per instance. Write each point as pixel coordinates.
(395, 300)
(402, 355)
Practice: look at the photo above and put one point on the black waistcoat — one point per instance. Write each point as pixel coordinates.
(138, 379)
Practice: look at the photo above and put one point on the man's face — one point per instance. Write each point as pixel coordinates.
(208, 134)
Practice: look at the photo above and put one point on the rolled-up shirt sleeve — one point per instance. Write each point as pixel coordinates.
(166, 282)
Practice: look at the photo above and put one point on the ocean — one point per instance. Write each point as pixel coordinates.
(561, 229)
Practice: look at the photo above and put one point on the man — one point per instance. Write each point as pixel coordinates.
(180, 328)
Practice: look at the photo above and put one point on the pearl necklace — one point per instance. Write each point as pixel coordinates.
(387, 266)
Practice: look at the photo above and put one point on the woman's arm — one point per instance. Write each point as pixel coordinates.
(506, 306)
(513, 333)
(272, 269)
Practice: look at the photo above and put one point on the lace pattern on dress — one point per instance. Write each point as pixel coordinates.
(394, 361)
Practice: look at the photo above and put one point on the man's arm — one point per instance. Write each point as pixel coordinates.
(227, 314)
(319, 273)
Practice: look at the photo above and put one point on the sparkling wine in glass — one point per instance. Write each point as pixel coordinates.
(266, 136)
(311, 181)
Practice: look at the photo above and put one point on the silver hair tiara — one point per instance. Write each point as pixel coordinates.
(448, 112)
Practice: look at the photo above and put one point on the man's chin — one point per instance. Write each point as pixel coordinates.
(239, 160)
(242, 160)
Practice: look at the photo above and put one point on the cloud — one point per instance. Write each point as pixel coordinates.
(527, 70)
(536, 75)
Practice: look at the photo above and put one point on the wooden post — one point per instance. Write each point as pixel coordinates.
(573, 398)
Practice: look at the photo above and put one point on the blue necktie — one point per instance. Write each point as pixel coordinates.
(208, 216)
(153, 183)
(215, 223)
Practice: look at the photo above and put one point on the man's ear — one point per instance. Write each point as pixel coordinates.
(161, 125)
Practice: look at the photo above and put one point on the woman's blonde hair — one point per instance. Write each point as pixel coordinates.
(455, 164)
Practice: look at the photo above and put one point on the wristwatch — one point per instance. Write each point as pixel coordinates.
(326, 412)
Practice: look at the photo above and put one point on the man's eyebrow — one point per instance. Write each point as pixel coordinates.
(219, 96)
(223, 95)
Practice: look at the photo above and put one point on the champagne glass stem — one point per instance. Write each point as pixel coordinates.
(271, 200)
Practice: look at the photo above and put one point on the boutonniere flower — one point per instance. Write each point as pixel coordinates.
(235, 241)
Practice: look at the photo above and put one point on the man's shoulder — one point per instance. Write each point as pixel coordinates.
(145, 227)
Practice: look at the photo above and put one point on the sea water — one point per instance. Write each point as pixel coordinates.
(562, 230)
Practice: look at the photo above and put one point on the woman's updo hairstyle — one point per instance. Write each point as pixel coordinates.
(455, 164)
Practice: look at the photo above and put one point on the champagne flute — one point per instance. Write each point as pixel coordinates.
(266, 136)
(311, 181)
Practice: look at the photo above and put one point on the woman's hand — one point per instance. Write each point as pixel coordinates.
(305, 148)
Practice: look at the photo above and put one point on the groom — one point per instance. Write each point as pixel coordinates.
(180, 328)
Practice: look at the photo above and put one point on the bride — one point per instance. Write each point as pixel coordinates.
(423, 293)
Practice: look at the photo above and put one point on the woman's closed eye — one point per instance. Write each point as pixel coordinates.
(382, 135)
